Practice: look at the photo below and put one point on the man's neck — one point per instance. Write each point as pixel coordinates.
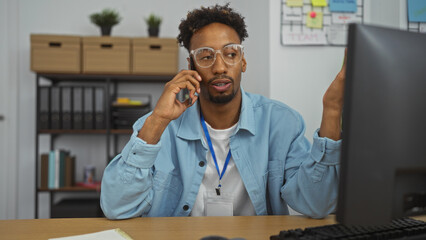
(221, 116)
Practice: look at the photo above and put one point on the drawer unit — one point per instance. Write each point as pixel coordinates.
(106, 55)
(55, 53)
(155, 56)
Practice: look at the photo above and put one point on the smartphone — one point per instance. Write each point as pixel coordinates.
(183, 95)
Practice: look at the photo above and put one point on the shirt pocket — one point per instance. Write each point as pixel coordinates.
(167, 192)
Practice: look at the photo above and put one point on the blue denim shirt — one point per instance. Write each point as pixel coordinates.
(276, 162)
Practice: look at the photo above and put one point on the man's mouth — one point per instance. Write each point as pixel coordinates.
(221, 85)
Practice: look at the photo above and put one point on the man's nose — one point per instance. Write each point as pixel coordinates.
(219, 66)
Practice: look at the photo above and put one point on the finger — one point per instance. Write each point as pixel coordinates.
(192, 80)
(192, 73)
(186, 82)
(190, 101)
(345, 59)
(194, 99)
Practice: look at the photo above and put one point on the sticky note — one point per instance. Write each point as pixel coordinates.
(314, 22)
(343, 5)
(294, 3)
(416, 10)
(319, 3)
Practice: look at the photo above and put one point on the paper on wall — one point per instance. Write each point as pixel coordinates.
(292, 14)
(343, 5)
(422, 28)
(294, 3)
(304, 38)
(314, 22)
(343, 18)
(337, 34)
(319, 3)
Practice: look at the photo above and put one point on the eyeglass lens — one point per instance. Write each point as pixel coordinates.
(205, 57)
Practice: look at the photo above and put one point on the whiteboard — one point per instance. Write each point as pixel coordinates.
(294, 29)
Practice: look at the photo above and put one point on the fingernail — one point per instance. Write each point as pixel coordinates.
(198, 90)
(198, 77)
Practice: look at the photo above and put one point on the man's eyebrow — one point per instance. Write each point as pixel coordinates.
(224, 45)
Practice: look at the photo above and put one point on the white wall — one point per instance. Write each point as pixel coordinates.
(8, 102)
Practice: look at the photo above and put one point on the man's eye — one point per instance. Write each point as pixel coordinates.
(206, 58)
(231, 55)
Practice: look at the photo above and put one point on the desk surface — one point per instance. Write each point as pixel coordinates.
(254, 227)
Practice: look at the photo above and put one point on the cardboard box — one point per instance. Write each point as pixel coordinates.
(155, 56)
(55, 53)
(106, 55)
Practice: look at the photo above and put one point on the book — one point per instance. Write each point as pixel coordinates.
(99, 108)
(77, 107)
(51, 172)
(56, 172)
(60, 168)
(88, 108)
(66, 107)
(44, 108)
(44, 170)
(55, 103)
(69, 171)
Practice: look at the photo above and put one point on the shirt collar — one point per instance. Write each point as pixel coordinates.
(190, 127)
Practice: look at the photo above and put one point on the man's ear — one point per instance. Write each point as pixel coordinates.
(244, 64)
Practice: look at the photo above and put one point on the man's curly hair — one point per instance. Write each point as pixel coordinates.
(198, 18)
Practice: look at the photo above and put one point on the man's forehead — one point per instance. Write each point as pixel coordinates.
(214, 35)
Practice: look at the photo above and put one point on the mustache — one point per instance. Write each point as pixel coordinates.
(222, 76)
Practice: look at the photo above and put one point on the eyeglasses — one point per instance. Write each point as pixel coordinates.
(205, 56)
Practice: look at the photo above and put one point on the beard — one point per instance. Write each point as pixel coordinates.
(221, 98)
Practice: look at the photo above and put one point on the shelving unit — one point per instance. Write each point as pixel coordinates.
(110, 83)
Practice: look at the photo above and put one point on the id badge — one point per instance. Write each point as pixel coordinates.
(218, 205)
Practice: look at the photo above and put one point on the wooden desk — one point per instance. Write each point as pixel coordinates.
(257, 227)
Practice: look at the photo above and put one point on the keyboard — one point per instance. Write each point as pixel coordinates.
(404, 228)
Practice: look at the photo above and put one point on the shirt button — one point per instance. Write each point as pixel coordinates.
(185, 208)
(201, 164)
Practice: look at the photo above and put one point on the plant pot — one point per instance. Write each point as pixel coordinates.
(153, 31)
(106, 30)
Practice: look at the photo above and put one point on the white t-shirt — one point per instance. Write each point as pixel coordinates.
(231, 180)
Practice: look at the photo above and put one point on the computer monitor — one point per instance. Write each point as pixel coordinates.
(383, 160)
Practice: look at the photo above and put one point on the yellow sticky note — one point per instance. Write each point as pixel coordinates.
(319, 3)
(295, 3)
(314, 19)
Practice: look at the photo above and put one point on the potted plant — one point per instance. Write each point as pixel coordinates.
(105, 20)
(153, 22)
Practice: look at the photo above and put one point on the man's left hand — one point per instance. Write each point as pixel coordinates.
(333, 105)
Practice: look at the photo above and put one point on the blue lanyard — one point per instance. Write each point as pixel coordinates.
(209, 141)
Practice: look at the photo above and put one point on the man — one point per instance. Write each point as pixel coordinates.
(223, 151)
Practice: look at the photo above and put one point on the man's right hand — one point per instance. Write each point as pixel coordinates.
(168, 107)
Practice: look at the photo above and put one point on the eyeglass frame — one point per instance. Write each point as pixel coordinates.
(192, 52)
